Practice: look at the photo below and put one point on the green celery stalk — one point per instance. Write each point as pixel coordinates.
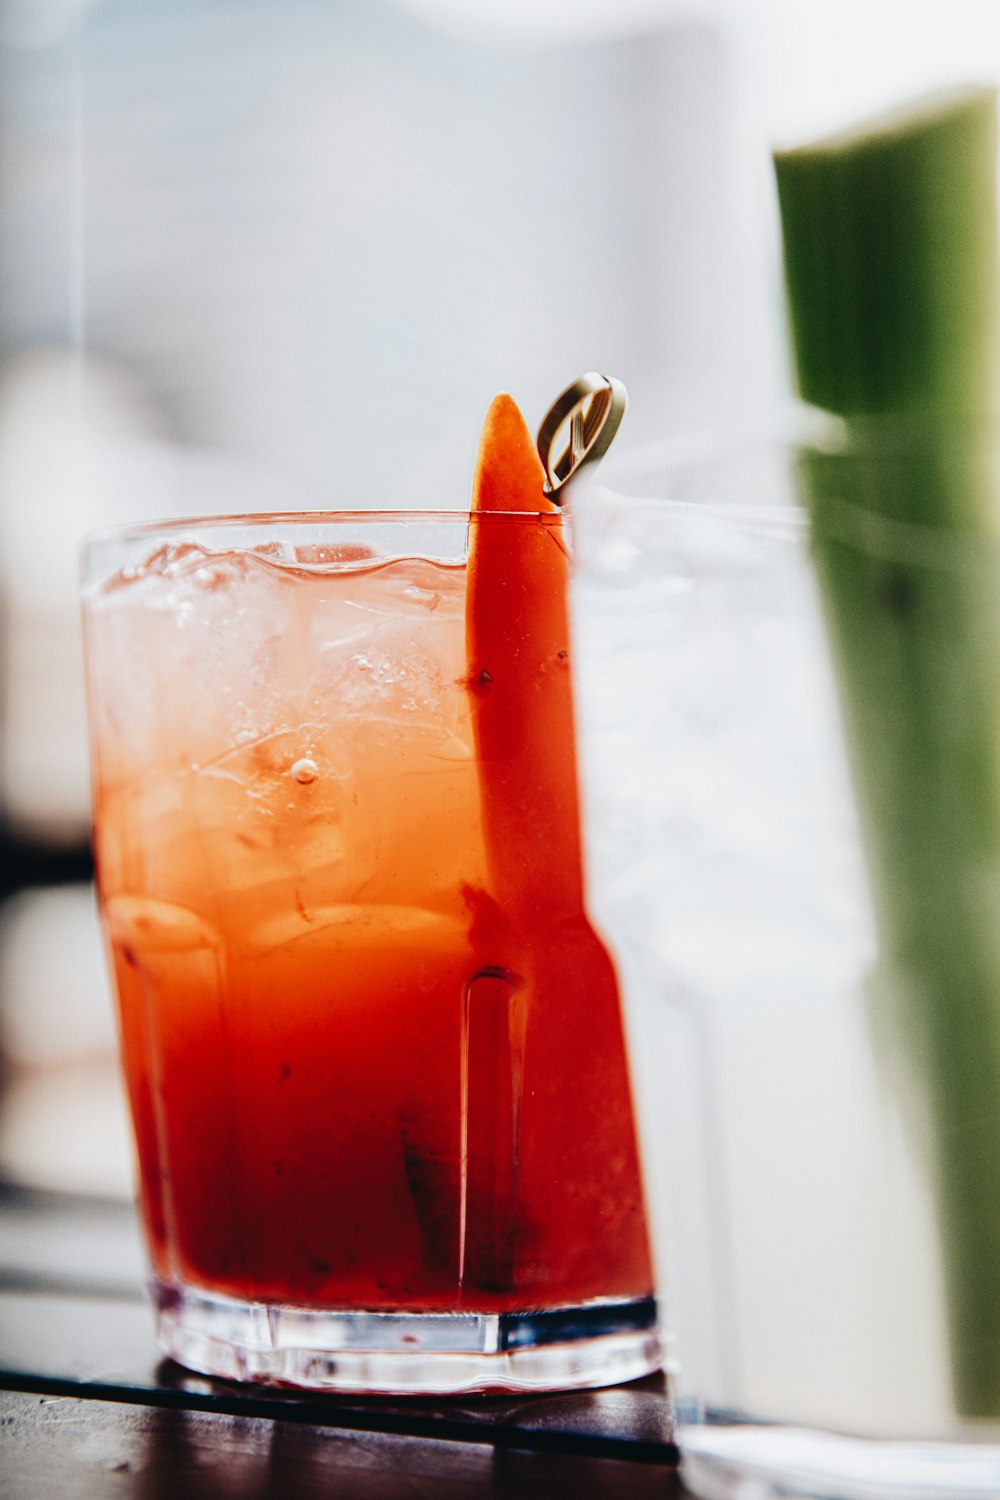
(891, 265)
(890, 247)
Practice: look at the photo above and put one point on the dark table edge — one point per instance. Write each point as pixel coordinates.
(444, 1428)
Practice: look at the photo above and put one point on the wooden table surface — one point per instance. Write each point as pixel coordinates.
(90, 1410)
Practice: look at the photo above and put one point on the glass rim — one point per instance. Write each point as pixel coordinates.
(136, 531)
(699, 475)
(800, 429)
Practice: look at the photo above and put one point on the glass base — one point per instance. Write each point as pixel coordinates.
(752, 1462)
(407, 1353)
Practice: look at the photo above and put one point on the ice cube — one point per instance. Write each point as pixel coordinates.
(144, 925)
(378, 929)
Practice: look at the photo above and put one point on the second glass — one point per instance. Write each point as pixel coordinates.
(789, 706)
(383, 1126)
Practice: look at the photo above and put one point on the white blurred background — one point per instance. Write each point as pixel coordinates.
(262, 254)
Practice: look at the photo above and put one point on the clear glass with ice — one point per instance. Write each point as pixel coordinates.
(799, 1146)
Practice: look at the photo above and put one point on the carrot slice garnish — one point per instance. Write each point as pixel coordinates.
(517, 638)
(554, 1196)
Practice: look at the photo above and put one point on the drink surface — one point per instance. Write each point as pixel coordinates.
(344, 1092)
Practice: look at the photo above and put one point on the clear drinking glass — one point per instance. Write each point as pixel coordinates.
(789, 704)
(383, 1125)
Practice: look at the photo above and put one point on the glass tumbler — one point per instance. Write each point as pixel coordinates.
(788, 682)
(381, 1109)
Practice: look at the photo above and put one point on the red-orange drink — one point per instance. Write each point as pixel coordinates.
(334, 1115)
